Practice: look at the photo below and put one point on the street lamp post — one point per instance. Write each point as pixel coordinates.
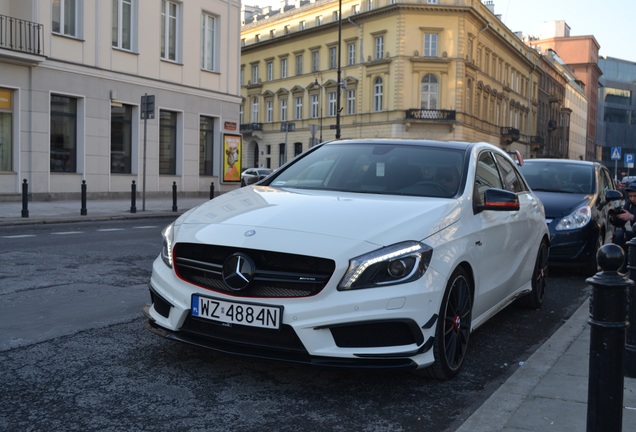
(339, 70)
(319, 100)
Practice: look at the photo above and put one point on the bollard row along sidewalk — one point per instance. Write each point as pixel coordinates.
(95, 209)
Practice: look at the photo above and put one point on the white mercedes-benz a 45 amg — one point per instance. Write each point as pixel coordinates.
(358, 253)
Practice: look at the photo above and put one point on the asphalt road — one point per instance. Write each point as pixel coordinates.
(76, 357)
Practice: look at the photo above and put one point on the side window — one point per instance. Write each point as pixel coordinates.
(512, 181)
(486, 176)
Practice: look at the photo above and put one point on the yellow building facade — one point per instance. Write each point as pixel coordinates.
(424, 69)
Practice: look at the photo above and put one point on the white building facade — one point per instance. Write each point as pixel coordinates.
(72, 77)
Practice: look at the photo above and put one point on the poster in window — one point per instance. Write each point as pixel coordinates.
(231, 158)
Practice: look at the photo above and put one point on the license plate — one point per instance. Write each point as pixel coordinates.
(228, 313)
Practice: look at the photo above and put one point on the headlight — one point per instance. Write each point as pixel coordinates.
(166, 250)
(577, 219)
(396, 264)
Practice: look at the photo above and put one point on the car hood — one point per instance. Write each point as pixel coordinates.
(281, 216)
(558, 204)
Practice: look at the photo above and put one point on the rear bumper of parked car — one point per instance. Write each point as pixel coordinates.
(389, 327)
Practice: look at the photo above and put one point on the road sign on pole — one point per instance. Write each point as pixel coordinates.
(616, 153)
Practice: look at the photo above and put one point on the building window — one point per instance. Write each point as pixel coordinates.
(206, 145)
(355, 9)
(121, 139)
(469, 96)
(124, 24)
(429, 92)
(379, 47)
(283, 68)
(208, 42)
(241, 114)
(254, 74)
(63, 134)
(351, 54)
(255, 110)
(315, 61)
(314, 103)
(269, 111)
(298, 148)
(167, 142)
(433, 1)
(281, 154)
(286, 29)
(283, 110)
(378, 93)
(301, 25)
(170, 21)
(319, 20)
(66, 17)
(351, 101)
(299, 64)
(270, 70)
(242, 75)
(333, 57)
(272, 33)
(331, 104)
(257, 38)
(298, 108)
(430, 45)
(6, 130)
(334, 16)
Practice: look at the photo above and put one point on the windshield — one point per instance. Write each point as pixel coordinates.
(377, 168)
(559, 177)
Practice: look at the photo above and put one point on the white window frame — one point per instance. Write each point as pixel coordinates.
(283, 67)
(331, 104)
(429, 92)
(283, 110)
(314, 101)
(299, 64)
(333, 57)
(351, 101)
(270, 70)
(379, 47)
(378, 94)
(60, 9)
(254, 110)
(169, 21)
(315, 61)
(209, 42)
(119, 25)
(254, 74)
(298, 108)
(269, 111)
(430, 44)
(351, 54)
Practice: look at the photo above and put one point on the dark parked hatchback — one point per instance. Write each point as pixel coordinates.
(577, 196)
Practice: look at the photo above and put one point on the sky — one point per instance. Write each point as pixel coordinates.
(611, 22)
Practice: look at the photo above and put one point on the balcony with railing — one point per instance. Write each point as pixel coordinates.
(430, 115)
(21, 41)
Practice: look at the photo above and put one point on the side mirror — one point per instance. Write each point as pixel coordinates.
(613, 195)
(499, 200)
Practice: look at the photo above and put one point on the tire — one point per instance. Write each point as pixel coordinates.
(534, 299)
(453, 328)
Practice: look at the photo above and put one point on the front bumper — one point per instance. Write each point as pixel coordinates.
(391, 327)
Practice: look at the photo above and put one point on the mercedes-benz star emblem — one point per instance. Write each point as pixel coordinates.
(238, 271)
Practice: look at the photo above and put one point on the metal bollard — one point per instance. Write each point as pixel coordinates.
(630, 346)
(83, 211)
(174, 196)
(25, 199)
(133, 197)
(607, 341)
(211, 190)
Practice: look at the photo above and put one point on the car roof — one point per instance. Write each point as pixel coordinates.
(562, 161)
(457, 145)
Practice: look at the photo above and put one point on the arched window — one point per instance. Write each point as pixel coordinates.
(429, 92)
(378, 91)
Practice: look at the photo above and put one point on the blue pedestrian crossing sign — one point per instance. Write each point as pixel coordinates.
(616, 153)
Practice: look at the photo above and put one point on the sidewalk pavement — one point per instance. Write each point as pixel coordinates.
(547, 393)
